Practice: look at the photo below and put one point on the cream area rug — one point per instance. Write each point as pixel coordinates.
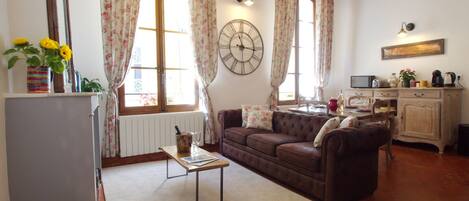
(147, 182)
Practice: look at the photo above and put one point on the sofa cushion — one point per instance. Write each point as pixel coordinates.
(301, 126)
(239, 134)
(302, 154)
(260, 119)
(267, 143)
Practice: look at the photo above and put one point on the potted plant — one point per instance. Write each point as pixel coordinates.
(406, 75)
(50, 56)
(91, 85)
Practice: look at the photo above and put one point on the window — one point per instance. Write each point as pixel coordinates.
(162, 76)
(300, 70)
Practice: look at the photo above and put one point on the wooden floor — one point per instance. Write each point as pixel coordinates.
(418, 173)
(421, 174)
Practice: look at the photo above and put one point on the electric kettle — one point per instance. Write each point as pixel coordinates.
(449, 78)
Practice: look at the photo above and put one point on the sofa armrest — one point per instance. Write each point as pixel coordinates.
(349, 141)
(229, 118)
(350, 161)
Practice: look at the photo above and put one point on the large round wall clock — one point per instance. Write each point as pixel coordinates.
(241, 47)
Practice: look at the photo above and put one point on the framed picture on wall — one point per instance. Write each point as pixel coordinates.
(425, 48)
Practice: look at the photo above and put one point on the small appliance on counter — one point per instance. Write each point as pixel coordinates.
(449, 79)
(437, 79)
(361, 81)
(377, 83)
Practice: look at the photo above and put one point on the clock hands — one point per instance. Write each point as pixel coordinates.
(240, 40)
(242, 47)
(250, 49)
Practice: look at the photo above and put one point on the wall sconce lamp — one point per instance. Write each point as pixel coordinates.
(246, 2)
(406, 27)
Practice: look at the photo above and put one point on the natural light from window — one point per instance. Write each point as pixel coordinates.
(168, 64)
(300, 69)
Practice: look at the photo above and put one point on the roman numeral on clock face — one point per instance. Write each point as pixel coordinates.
(255, 57)
(227, 57)
(231, 29)
(233, 65)
(243, 68)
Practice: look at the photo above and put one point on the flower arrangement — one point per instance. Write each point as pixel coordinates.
(49, 53)
(407, 74)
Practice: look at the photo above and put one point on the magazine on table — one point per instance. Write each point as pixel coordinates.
(193, 160)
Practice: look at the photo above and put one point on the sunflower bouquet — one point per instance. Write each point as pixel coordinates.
(49, 53)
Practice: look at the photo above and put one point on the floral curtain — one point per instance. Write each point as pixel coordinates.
(323, 45)
(204, 38)
(119, 21)
(285, 21)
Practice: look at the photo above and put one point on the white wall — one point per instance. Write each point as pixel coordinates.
(342, 47)
(229, 90)
(26, 19)
(85, 25)
(377, 23)
(4, 43)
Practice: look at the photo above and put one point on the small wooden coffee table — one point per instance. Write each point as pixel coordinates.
(171, 152)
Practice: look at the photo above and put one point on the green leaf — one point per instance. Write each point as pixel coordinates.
(10, 51)
(31, 50)
(33, 61)
(91, 85)
(57, 67)
(12, 61)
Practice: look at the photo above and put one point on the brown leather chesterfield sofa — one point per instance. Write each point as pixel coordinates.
(345, 168)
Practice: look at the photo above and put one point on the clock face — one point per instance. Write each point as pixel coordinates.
(241, 47)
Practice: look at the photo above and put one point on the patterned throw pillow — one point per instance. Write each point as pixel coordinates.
(248, 108)
(349, 122)
(330, 124)
(260, 119)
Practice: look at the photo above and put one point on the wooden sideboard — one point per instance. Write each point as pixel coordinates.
(424, 115)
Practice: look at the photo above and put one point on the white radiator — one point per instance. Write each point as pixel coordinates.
(144, 134)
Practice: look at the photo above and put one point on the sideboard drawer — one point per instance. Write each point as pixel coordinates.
(386, 94)
(419, 94)
(367, 93)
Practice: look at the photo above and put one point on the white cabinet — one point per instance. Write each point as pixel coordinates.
(53, 146)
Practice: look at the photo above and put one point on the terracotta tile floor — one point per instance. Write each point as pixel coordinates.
(420, 174)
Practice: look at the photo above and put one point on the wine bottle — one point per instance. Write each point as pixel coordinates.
(178, 132)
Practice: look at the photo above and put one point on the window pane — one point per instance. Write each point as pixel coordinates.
(178, 51)
(146, 15)
(306, 10)
(306, 34)
(291, 62)
(141, 88)
(176, 15)
(144, 50)
(180, 87)
(287, 89)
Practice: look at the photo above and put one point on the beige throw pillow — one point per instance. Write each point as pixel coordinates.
(260, 119)
(349, 122)
(248, 108)
(330, 124)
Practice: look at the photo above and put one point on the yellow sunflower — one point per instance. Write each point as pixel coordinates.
(20, 41)
(65, 52)
(49, 44)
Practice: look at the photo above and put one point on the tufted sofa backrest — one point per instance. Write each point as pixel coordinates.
(302, 126)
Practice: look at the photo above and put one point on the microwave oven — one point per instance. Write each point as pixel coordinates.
(361, 81)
